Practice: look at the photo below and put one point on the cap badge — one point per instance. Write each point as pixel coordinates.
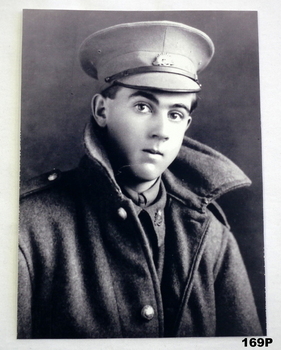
(163, 59)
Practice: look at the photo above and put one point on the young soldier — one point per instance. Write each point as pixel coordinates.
(132, 243)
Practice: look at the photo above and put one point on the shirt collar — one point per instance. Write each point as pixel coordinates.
(155, 208)
(143, 199)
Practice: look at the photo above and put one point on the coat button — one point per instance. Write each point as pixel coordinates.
(122, 213)
(147, 312)
(52, 176)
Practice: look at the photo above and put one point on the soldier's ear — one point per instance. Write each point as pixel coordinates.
(188, 122)
(98, 110)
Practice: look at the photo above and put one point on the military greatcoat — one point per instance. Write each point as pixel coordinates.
(86, 269)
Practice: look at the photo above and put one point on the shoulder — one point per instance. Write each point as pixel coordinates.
(54, 179)
(46, 203)
(47, 194)
(40, 183)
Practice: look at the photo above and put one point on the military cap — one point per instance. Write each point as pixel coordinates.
(160, 55)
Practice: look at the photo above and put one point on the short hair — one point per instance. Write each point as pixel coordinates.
(113, 89)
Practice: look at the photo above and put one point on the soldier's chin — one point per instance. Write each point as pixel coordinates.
(145, 172)
(140, 172)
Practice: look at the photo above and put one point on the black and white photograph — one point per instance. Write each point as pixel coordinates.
(141, 208)
(140, 175)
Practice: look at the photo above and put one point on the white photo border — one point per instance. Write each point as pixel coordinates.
(269, 28)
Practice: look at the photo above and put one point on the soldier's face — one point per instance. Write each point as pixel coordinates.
(145, 130)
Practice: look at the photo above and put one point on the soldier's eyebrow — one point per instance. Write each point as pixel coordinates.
(180, 105)
(145, 94)
(154, 99)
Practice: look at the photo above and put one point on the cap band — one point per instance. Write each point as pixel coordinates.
(149, 69)
(151, 88)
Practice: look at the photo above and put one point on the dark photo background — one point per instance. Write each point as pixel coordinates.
(56, 97)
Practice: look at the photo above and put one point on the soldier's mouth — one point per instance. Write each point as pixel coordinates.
(153, 151)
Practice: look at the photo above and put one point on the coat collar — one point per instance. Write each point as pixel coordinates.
(198, 175)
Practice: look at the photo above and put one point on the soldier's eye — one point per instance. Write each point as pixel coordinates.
(143, 108)
(176, 116)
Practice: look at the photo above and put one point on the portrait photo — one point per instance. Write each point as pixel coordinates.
(141, 209)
